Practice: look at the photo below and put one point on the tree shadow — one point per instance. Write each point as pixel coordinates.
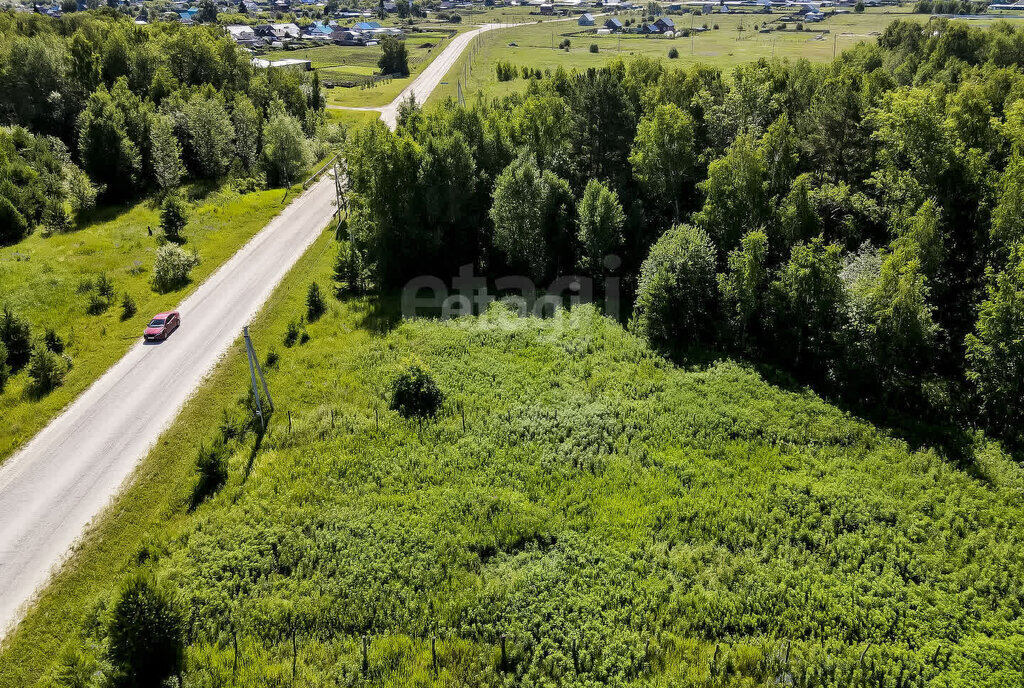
(919, 426)
(382, 313)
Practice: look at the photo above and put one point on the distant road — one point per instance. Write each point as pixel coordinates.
(427, 80)
(63, 478)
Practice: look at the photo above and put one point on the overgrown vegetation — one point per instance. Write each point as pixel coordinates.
(617, 520)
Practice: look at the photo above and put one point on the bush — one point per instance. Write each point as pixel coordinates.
(13, 225)
(53, 341)
(673, 53)
(859, 7)
(505, 71)
(101, 296)
(799, 26)
(593, 47)
(16, 335)
(565, 44)
(104, 287)
(46, 370)
(212, 466)
(173, 217)
(272, 359)
(315, 305)
(414, 394)
(97, 304)
(715, 27)
(127, 306)
(146, 633)
(291, 335)
(173, 265)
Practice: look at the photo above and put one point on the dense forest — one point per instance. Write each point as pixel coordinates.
(856, 224)
(99, 108)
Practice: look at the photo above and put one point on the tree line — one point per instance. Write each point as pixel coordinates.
(98, 105)
(857, 224)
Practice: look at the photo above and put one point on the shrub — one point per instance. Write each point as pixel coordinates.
(13, 225)
(859, 7)
(565, 44)
(146, 633)
(212, 466)
(127, 306)
(673, 53)
(505, 71)
(57, 217)
(272, 359)
(414, 394)
(16, 335)
(315, 305)
(104, 287)
(53, 341)
(45, 369)
(97, 304)
(715, 27)
(291, 334)
(799, 26)
(173, 217)
(173, 265)
(593, 47)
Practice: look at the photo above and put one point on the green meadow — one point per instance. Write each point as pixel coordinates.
(736, 40)
(49, 281)
(617, 519)
(343, 63)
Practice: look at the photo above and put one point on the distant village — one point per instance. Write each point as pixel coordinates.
(327, 23)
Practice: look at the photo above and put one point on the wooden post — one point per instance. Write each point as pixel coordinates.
(289, 421)
(433, 653)
(504, 655)
(463, 410)
(366, 661)
(861, 660)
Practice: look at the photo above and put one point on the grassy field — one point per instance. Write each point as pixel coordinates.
(620, 520)
(537, 45)
(341, 64)
(48, 280)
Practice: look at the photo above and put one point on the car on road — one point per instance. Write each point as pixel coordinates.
(161, 326)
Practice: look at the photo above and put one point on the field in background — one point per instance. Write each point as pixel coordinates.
(48, 281)
(735, 41)
(358, 64)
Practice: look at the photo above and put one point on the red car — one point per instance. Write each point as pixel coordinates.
(161, 326)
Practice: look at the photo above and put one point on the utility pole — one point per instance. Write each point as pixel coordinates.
(835, 40)
(254, 367)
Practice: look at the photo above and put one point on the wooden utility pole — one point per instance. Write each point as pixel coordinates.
(254, 368)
